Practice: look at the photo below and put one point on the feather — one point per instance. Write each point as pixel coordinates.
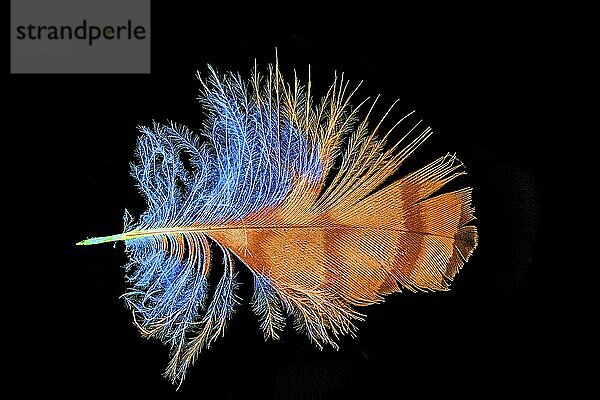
(261, 184)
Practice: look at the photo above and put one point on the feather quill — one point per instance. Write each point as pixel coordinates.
(260, 186)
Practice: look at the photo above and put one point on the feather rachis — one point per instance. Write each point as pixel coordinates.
(262, 186)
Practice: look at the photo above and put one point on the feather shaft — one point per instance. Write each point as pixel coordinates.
(136, 234)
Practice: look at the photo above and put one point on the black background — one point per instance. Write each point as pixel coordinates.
(473, 82)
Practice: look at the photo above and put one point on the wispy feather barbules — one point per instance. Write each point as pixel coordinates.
(258, 183)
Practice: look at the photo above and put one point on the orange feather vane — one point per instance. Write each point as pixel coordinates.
(298, 193)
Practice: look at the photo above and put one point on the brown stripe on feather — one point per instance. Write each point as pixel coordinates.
(466, 241)
(406, 258)
(330, 240)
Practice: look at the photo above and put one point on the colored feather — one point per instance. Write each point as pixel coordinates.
(262, 185)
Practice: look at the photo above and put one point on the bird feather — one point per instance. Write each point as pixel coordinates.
(261, 184)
